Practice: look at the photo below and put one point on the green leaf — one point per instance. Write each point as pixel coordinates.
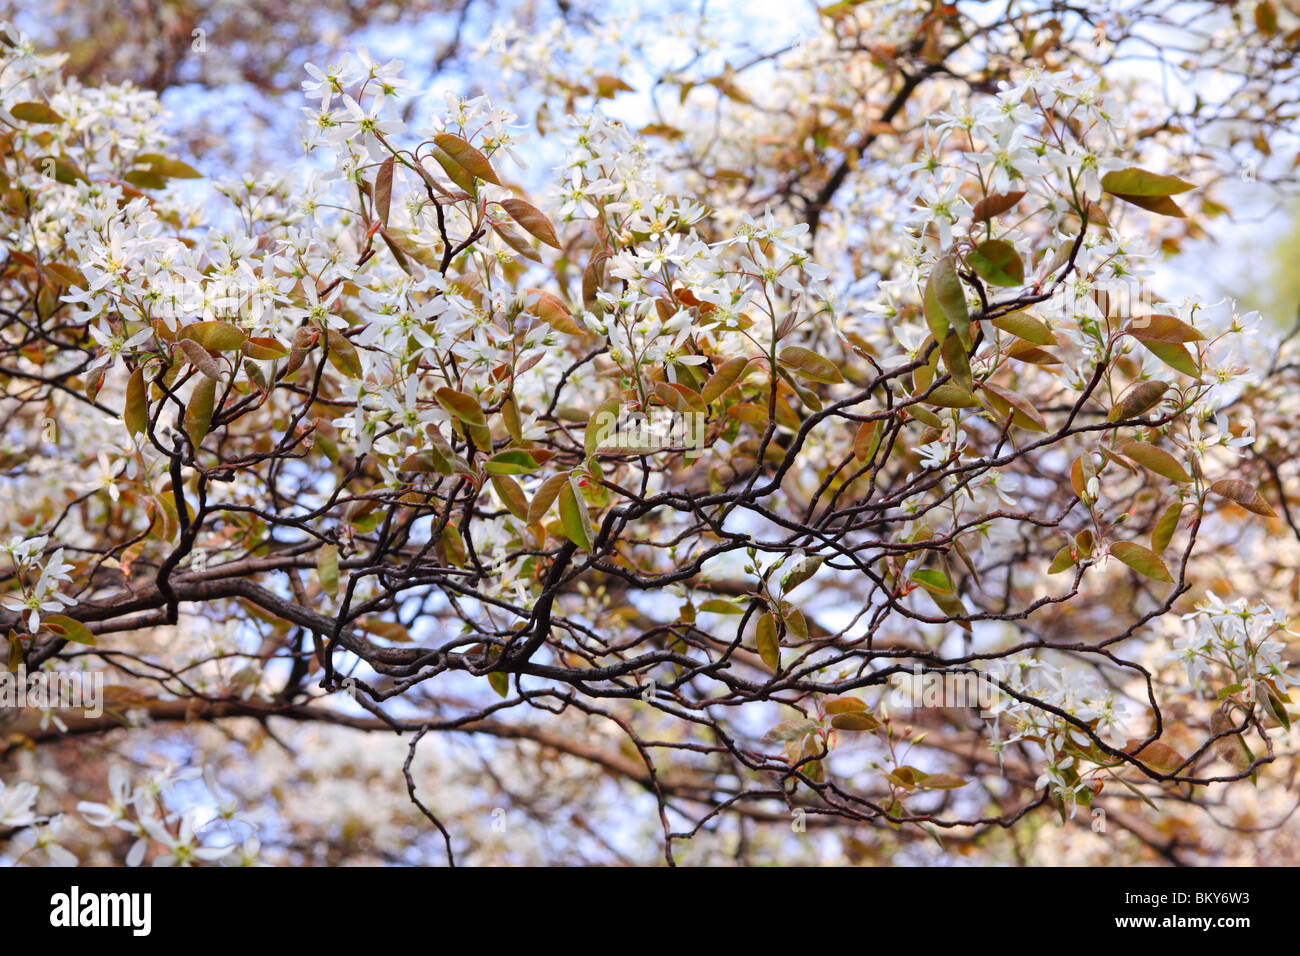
(997, 263)
(951, 395)
(1276, 709)
(801, 572)
(60, 170)
(939, 781)
(68, 629)
(1138, 182)
(1142, 560)
(769, 648)
(945, 302)
(511, 495)
(603, 422)
(574, 517)
(957, 362)
(263, 349)
(790, 730)
(1025, 326)
(465, 407)
(1162, 205)
(1175, 355)
(343, 354)
(457, 173)
(500, 682)
(512, 461)
(1165, 527)
(810, 365)
(1155, 459)
(721, 606)
(144, 179)
(453, 545)
(845, 705)
(933, 580)
(31, 112)
(215, 335)
(167, 168)
(1062, 561)
(855, 722)
(327, 569)
(198, 413)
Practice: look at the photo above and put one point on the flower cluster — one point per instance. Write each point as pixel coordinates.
(42, 594)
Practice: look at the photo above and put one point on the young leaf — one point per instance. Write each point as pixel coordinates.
(1141, 398)
(1165, 527)
(1142, 560)
(866, 441)
(1244, 494)
(855, 722)
(1062, 561)
(727, 375)
(512, 461)
(995, 204)
(945, 302)
(574, 517)
(215, 335)
(1155, 459)
(551, 310)
(1163, 328)
(343, 354)
(511, 495)
(769, 648)
(327, 569)
(532, 219)
(31, 112)
(997, 263)
(810, 365)
(384, 190)
(933, 580)
(467, 157)
(1139, 182)
(68, 629)
(453, 545)
(1175, 355)
(136, 411)
(465, 407)
(198, 413)
(1025, 326)
(545, 497)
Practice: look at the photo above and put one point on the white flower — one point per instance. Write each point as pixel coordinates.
(18, 804)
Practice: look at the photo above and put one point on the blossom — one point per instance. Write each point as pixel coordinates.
(18, 804)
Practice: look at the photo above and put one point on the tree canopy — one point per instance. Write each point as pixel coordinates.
(680, 444)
